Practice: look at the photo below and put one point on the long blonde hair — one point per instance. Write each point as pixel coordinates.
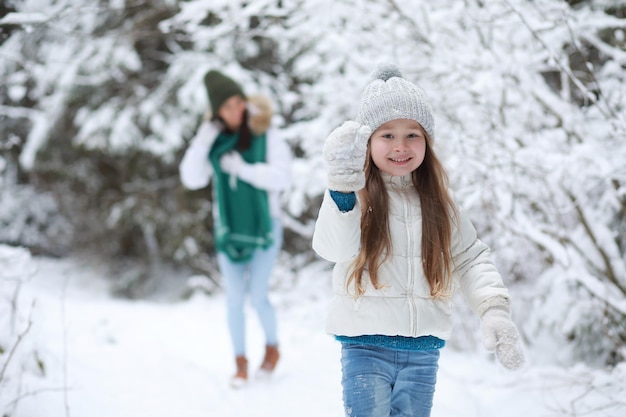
(431, 183)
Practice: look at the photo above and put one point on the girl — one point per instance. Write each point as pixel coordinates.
(401, 249)
(251, 166)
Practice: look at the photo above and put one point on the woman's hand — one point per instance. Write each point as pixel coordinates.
(231, 163)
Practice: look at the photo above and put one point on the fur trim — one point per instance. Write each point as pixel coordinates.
(498, 303)
(260, 114)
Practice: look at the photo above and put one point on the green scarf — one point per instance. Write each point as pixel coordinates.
(243, 223)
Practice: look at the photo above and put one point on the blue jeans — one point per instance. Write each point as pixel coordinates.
(251, 277)
(383, 382)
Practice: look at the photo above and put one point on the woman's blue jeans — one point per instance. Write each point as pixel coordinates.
(384, 382)
(251, 277)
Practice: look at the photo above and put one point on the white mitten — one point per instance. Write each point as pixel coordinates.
(195, 168)
(344, 153)
(231, 163)
(500, 335)
(207, 133)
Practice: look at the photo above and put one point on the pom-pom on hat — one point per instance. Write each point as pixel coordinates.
(220, 88)
(389, 96)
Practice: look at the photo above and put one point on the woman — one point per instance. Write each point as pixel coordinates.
(250, 165)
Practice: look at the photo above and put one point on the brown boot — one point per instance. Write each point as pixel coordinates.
(270, 359)
(241, 377)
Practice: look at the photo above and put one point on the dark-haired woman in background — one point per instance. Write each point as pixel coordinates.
(250, 165)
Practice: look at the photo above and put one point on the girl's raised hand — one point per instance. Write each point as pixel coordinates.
(344, 152)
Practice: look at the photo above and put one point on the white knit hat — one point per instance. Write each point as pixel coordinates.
(389, 96)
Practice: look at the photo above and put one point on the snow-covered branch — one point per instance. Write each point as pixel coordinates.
(24, 19)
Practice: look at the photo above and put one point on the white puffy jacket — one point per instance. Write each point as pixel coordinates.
(273, 176)
(403, 306)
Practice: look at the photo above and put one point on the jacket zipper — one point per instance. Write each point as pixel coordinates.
(410, 264)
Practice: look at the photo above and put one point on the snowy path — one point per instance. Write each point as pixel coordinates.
(164, 359)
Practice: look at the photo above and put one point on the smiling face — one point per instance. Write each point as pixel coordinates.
(398, 147)
(231, 112)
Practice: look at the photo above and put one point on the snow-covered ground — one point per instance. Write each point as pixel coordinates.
(167, 356)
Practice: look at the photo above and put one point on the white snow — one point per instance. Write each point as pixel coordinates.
(165, 356)
(526, 162)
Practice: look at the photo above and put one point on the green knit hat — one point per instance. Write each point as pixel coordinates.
(220, 88)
